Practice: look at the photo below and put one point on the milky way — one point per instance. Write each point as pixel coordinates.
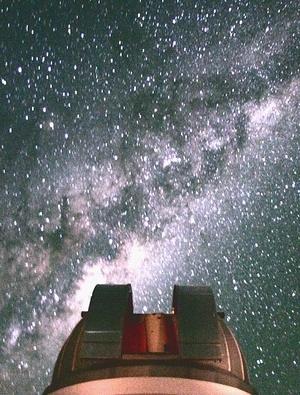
(151, 144)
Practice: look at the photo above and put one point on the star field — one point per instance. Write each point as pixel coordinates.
(149, 143)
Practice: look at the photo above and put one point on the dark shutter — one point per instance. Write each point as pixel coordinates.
(198, 332)
(105, 320)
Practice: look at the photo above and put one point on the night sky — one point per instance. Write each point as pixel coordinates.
(151, 143)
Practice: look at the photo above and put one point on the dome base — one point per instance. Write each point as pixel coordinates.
(149, 385)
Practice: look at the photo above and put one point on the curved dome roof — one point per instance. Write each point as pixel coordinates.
(110, 342)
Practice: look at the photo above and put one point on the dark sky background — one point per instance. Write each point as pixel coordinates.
(152, 142)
